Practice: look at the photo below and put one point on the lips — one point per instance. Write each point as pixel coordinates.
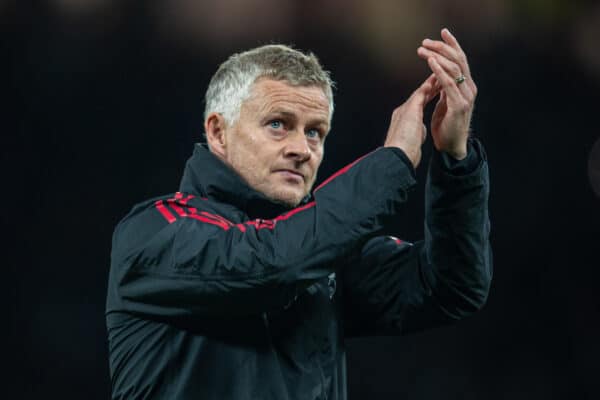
(290, 173)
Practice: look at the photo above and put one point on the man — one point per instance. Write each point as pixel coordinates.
(242, 285)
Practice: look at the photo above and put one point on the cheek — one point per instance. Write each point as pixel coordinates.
(316, 162)
(242, 147)
(251, 158)
(318, 157)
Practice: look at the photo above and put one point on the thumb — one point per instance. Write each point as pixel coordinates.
(424, 93)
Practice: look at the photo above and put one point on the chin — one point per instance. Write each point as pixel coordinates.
(288, 199)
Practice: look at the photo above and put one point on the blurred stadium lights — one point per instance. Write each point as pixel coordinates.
(225, 22)
(386, 31)
(75, 8)
(584, 40)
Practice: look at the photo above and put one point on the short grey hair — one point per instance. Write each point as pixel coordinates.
(231, 85)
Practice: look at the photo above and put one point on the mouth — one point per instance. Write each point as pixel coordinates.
(290, 174)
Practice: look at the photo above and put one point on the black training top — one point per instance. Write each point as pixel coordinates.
(215, 292)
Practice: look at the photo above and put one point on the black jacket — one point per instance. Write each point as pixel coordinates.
(215, 292)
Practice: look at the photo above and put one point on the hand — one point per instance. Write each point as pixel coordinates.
(452, 115)
(407, 130)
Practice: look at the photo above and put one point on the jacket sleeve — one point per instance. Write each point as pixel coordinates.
(188, 267)
(396, 287)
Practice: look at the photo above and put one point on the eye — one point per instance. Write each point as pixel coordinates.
(313, 134)
(276, 124)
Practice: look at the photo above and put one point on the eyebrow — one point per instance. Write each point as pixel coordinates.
(291, 115)
(284, 113)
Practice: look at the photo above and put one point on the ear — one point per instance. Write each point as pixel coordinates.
(214, 126)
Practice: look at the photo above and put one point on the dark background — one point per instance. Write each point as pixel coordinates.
(103, 100)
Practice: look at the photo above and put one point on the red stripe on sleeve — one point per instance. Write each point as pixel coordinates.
(295, 211)
(211, 221)
(241, 227)
(262, 223)
(174, 206)
(179, 200)
(188, 198)
(340, 172)
(179, 205)
(165, 213)
(218, 218)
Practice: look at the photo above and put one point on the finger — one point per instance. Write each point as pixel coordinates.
(437, 89)
(449, 38)
(443, 99)
(441, 104)
(424, 93)
(453, 42)
(450, 67)
(441, 48)
(456, 55)
(432, 88)
(448, 84)
(439, 111)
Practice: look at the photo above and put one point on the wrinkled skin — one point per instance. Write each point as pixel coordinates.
(276, 145)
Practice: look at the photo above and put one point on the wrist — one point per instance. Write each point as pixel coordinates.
(457, 154)
(413, 155)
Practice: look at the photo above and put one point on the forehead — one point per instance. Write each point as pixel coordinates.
(268, 95)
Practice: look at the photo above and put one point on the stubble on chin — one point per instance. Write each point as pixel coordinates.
(279, 195)
(286, 203)
(285, 198)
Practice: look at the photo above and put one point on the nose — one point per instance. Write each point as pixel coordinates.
(297, 147)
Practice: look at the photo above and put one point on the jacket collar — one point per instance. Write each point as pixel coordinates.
(207, 175)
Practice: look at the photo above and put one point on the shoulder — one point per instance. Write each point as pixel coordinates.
(161, 217)
(143, 221)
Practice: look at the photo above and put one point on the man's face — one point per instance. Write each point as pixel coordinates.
(276, 145)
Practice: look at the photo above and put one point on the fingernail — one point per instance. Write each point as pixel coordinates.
(425, 41)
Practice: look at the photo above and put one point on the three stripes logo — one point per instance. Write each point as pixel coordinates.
(177, 207)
